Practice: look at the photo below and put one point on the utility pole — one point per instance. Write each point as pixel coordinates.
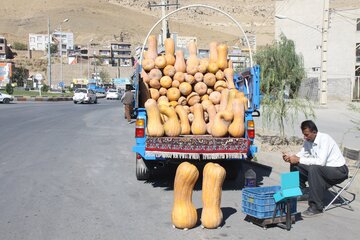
(49, 55)
(324, 52)
(165, 4)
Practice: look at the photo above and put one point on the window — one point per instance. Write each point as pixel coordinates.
(39, 38)
(358, 24)
(358, 52)
(32, 39)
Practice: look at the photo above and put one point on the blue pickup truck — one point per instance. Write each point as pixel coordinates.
(152, 152)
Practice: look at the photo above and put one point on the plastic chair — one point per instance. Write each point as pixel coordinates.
(338, 189)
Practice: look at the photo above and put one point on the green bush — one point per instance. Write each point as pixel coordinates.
(19, 46)
(45, 88)
(9, 89)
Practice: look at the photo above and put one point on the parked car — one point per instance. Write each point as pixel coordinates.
(6, 98)
(112, 94)
(83, 95)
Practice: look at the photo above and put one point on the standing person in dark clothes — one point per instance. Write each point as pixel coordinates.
(320, 163)
(128, 100)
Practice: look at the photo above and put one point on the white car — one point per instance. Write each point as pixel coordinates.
(83, 95)
(112, 94)
(6, 98)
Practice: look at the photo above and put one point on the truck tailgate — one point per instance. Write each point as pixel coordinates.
(191, 146)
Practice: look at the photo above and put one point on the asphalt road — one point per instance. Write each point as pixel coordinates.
(67, 172)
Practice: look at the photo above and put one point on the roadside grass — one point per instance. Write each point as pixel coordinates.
(33, 93)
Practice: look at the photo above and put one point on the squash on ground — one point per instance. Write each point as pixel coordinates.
(213, 179)
(184, 214)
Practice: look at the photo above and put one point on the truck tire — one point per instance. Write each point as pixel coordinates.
(142, 170)
(6, 100)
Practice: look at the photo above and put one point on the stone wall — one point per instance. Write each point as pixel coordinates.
(339, 89)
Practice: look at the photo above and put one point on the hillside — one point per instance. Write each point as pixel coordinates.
(102, 19)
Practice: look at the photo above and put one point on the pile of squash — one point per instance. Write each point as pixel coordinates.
(191, 96)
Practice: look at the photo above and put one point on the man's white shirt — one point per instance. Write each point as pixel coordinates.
(323, 151)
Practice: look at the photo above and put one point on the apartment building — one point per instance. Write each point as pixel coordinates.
(4, 51)
(121, 54)
(38, 42)
(66, 39)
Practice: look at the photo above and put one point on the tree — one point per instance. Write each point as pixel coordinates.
(19, 75)
(45, 88)
(104, 76)
(9, 89)
(281, 73)
(53, 48)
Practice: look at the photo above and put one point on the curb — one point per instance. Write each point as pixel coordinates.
(41, 99)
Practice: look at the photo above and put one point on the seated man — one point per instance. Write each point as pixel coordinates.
(320, 163)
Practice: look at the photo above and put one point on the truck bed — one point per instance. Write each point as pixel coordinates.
(196, 147)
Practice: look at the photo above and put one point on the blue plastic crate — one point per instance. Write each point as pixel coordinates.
(259, 202)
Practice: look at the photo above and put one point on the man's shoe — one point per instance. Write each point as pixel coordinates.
(310, 212)
(304, 197)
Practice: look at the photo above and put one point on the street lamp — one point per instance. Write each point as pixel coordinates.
(88, 53)
(324, 36)
(61, 61)
(49, 55)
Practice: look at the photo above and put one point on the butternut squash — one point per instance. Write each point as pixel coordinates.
(199, 77)
(210, 109)
(185, 88)
(179, 76)
(160, 61)
(237, 127)
(215, 97)
(192, 61)
(213, 67)
(184, 214)
(202, 68)
(154, 127)
(154, 93)
(224, 99)
(213, 55)
(166, 82)
(200, 88)
(163, 100)
(169, 70)
(231, 97)
(229, 75)
(173, 94)
(213, 179)
(148, 64)
(209, 79)
(184, 121)
(155, 74)
(169, 51)
(162, 91)
(172, 125)
(145, 77)
(152, 52)
(198, 126)
(180, 65)
(221, 123)
(222, 56)
(193, 98)
(155, 83)
(220, 85)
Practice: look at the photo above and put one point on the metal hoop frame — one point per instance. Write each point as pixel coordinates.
(196, 6)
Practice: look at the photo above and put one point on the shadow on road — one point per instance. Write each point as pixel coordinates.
(163, 177)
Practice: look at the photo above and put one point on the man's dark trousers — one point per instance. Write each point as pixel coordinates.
(319, 178)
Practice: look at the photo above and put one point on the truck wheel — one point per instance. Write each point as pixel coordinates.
(142, 171)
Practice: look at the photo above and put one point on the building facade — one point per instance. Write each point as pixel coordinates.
(38, 42)
(303, 22)
(66, 39)
(4, 50)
